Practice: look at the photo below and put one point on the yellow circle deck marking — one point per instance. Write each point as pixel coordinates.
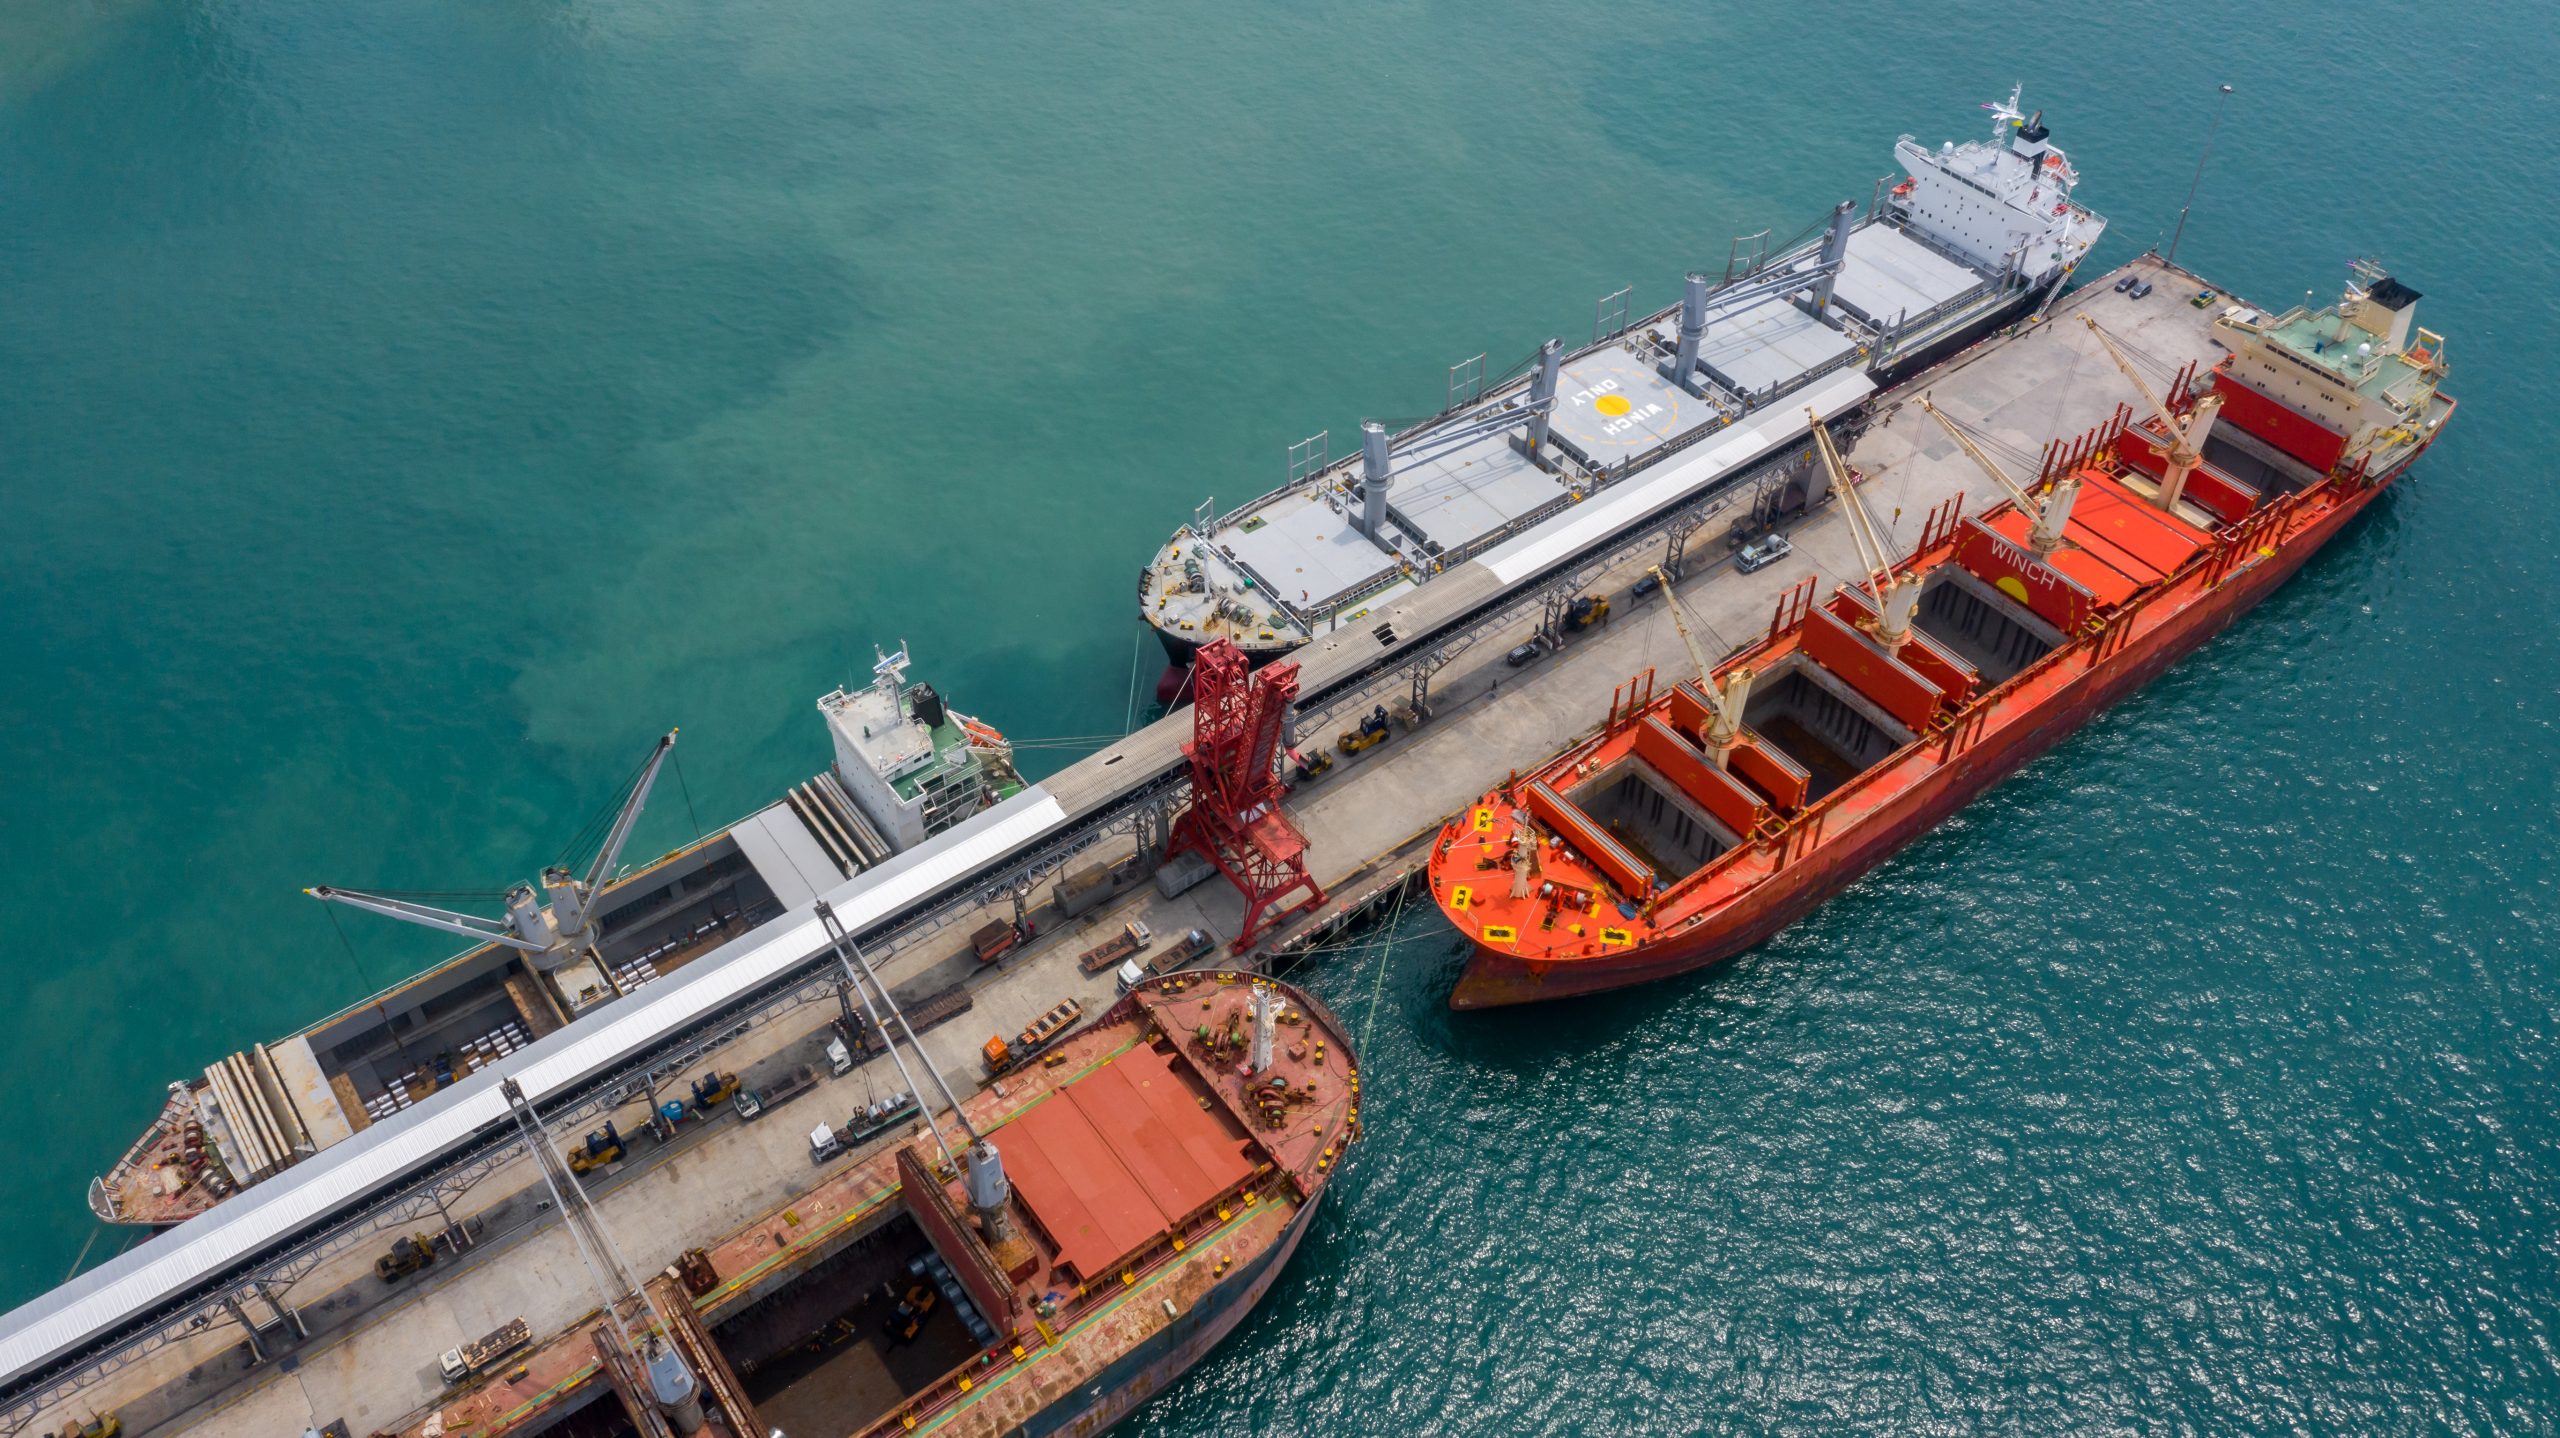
(1612, 405)
(2011, 585)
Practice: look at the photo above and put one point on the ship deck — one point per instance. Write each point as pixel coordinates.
(1280, 569)
(1135, 1154)
(371, 1355)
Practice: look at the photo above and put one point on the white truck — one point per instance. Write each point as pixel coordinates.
(483, 1353)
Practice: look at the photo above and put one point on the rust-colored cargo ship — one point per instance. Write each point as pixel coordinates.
(1702, 819)
(1158, 1168)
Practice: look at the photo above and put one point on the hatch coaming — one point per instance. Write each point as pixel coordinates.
(1854, 753)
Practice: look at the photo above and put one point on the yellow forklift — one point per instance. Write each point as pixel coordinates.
(602, 1147)
(408, 1254)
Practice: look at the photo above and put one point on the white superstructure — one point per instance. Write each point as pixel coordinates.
(2003, 204)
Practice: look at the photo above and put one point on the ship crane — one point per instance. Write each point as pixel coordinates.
(2186, 437)
(1897, 598)
(1725, 700)
(555, 937)
(2047, 513)
(1381, 457)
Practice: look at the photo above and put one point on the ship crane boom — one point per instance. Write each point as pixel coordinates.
(470, 926)
(1725, 700)
(2186, 437)
(2046, 514)
(1896, 598)
(554, 937)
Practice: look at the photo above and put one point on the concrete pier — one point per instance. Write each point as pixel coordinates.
(371, 1358)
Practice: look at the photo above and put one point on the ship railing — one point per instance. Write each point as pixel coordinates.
(1938, 745)
(1914, 324)
(1337, 473)
(1097, 1292)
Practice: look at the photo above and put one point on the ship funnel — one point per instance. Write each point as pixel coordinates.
(1835, 253)
(988, 1189)
(1693, 331)
(1262, 1028)
(1373, 480)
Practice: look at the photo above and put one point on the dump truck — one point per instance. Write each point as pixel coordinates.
(1027, 1045)
(1133, 938)
(483, 1353)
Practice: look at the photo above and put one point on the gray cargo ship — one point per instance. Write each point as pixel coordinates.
(1968, 238)
(907, 766)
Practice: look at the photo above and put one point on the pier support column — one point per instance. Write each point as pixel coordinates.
(248, 1330)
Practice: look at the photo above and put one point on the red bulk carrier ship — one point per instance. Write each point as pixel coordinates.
(1701, 820)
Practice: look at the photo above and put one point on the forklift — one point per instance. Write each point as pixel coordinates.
(1372, 730)
(409, 1254)
(712, 1090)
(602, 1147)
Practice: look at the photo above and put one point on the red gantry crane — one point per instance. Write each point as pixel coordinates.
(1234, 820)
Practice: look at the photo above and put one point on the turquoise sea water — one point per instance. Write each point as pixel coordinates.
(408, 410)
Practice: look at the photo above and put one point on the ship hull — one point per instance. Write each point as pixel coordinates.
(1495, 978)
(1904, 366)
(1164, 1357)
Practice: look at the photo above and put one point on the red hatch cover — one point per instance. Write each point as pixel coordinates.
(1111, 1162)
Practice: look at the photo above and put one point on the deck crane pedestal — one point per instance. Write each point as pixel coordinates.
(2186, 436)
(1897, 599)
(1381, 455)
(553, 936)
(2047, 514)
(1725, 700)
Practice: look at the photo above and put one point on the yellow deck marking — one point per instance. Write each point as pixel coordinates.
(1616, 936)
(1461, 896)
(1612, 405)
(1500, 933)
(1484, 821)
